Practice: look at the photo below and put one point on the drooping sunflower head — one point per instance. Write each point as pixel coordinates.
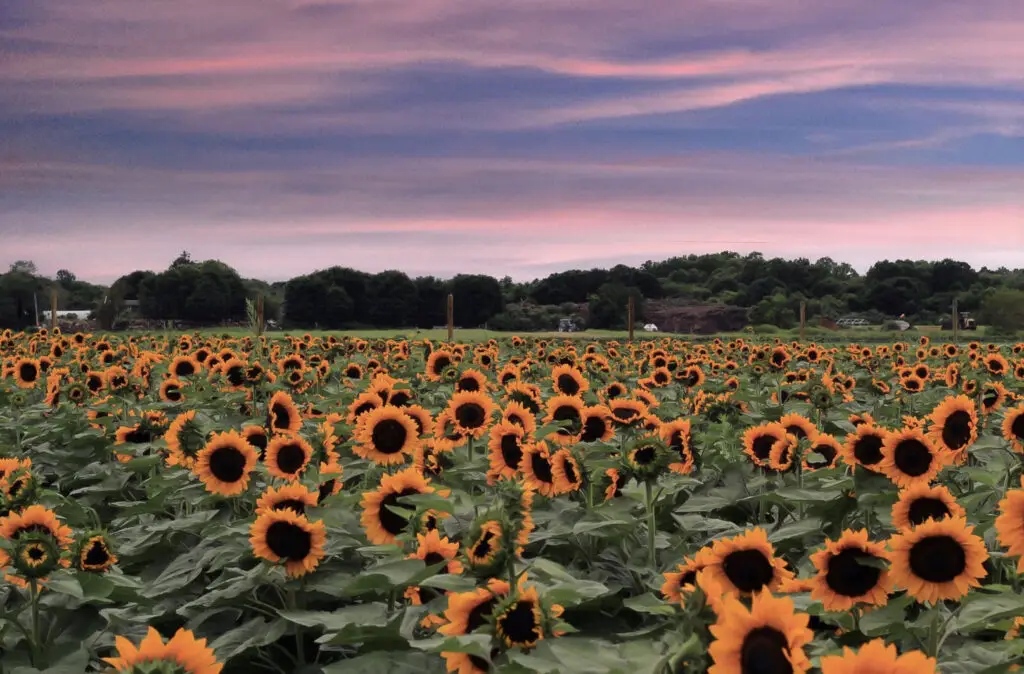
(518, 621)
(538, 473)
(759, 440)
(295, 497)
(382, 517)
(566, 467)
(920, 503)
(95, 553)
(1013, 428)
(487, 547)
(282, 414)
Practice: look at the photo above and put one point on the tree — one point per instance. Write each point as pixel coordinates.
(477, 298)
(183, 258)
(1003, 310)
(393, 300)
(431, 302)
(65, 277)
(24, 267)
(607, 308)
(774, 310)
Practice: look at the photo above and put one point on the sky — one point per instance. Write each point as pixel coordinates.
(509, 138)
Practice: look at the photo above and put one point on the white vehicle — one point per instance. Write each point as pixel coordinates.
(650, 327)
(851, 322)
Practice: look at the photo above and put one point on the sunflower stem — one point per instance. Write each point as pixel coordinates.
(933, 634)
(37, 653)
(293, 604)
(651, 550)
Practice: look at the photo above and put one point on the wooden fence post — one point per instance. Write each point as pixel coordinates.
(631, 316)
(803, 318)
(53, 309)
(956, 321)
(451, 317)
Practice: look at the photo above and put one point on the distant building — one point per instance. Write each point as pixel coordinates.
(71, 314)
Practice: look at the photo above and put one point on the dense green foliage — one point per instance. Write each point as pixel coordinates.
(212, 292)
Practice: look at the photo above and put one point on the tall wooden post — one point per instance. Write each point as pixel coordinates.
(260, 320)
(53, 309)
(803, 318)
(631, 316)
(451, 317)
(956, 321)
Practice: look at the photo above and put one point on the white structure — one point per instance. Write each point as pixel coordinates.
(650, 327)
(73, 314)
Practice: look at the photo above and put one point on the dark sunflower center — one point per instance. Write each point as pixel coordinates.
(660, 377)
(615, 391)
(391, 521)
(236, 375)
(570, 414)
(796, 430)
(923, 509)
(1017, 427)
(478, 617)
(511, 452)
(97, 554)
(470, 415)
(995, 366)
(173, 394)
(440, 363)
(468, 384)
(389, 436)
(28, 372)
(138, 436)
(848, 576)
(567, 384)
(625, 413)
(433, 558)
(353, 373)
(828, 453)
(280, 416)
(483, 546)
(956, 432)
(570, 471)
(227, 464)
(748, 570)
(764, 651)
(868, 449)
(645, 455)
(912, 457)
(257, 440)
(938, 559)
(541, 467)
(762, 446)
(293, 504)
(519, 623)
(184, 369)
(326, 489)
(399, 399)
(288, 540)
(291, 458)
(593, 429)
(688, 578)
(778, 358)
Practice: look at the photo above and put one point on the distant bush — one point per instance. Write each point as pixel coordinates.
(765, 329)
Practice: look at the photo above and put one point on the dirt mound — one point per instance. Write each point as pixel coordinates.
(700, 319)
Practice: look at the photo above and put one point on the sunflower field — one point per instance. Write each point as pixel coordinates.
(302, 505)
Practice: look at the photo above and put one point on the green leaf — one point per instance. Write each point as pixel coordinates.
(886, 619)
(334, 621)
(980, 609)
(255, 633)
(65, 584)
(649, 603)
(384, 577)
(796, 530)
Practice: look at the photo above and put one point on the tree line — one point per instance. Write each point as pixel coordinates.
(211, 292)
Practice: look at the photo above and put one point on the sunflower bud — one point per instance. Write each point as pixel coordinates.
(94, 552)
(35, 555)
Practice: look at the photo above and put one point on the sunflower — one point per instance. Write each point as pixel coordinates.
(284, 536)
(485, 546)
(11, 465)
(471, 411)
(799, 425)
(746, 563)
(433, 549)
(538, 473)
(676, 435)
(225, 462)
(954, 425)
(437, 363)
(851, 571)
(184, 366)
(379, 519)
(864, 446)
(875, 657)
(921, 503)
(566, 471)
(505, 450)
(27, 372)
(596, 424)
(1010, 524)
(469, 611)
(184, 439)
(769, 638)
(996, 364)
(35, 518)
(825, 446)
(691, 377)
(627, 412)
(614, 390)
(183, 651)
(993, 395)
(282, 414)
(1013, 428)
(782, 453)
(940, 559)
(681, 582)
(330, 480)
(615, 482)
(566, 408)
(520, 622)
(387, 436)
(759, 440)
(910, 457)
(94, 554)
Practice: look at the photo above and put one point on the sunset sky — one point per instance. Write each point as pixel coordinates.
(519, 138)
